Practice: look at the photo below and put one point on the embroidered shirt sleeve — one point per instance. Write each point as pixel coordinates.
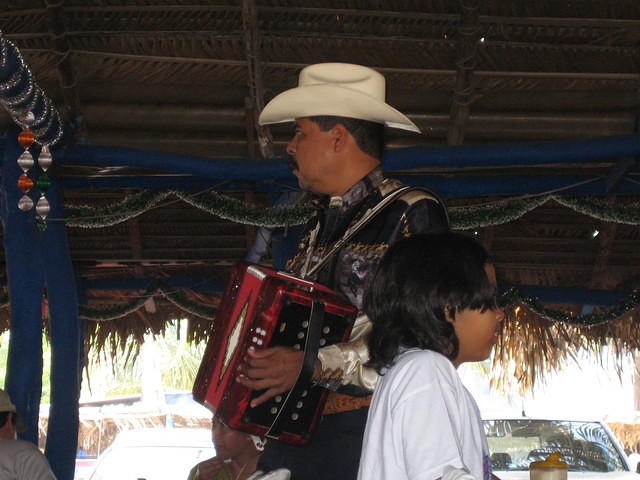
(343, 364)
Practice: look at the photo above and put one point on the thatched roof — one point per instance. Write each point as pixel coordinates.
(188, 78)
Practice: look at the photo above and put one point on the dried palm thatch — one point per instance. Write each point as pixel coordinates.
(530, 346)
(628, 434)
(99, 429)
(125, 335)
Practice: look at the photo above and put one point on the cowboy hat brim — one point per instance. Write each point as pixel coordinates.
(334, 100)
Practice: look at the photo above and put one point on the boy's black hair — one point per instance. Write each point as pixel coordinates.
(421, 280)
(368, 135)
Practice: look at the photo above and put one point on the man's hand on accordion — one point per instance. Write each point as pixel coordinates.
(274, 369)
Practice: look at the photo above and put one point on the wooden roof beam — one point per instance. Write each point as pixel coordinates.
(600, 76)
(255, 101)
(466, 61)
(67, 79)
(135, 242)
(412, 16)
(600, 273)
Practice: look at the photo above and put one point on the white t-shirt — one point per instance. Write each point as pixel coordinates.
(20, 460)
(422, 419)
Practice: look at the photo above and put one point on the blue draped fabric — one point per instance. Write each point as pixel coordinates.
(66, 343)
(26, 285)
(36, 259)
(521, 154)
(447, 186)
(273, 175)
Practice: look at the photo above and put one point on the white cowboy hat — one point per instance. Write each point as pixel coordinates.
(336, 89)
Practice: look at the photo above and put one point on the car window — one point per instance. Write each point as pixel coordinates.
(149, 463)
(584, 446)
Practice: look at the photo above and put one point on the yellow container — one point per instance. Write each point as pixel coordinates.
(552, 468)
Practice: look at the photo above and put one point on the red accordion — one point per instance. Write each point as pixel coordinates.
(264, 308)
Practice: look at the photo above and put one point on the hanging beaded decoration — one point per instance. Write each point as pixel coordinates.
(30, 108)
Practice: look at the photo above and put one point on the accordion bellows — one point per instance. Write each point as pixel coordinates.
(264, 308)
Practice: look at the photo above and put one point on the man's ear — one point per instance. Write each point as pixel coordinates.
(340, 137)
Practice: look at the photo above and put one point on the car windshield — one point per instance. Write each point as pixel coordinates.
(584, 446)
(150, 462)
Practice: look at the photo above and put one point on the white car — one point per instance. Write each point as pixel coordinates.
(154, 454)
(590, 449)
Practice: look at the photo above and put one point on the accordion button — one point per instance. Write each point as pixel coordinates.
(300, 335)
(260, 342)
(305, 324)
(278, 398)
(254, 339)
(297, 346)
(295, 416)
(304, 393)
(299, 405)
(273, 410)
(322, 342)
(326, 329)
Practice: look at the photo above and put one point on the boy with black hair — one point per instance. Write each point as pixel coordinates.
(432, 303)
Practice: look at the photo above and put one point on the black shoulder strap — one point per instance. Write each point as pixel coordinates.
(367, 217)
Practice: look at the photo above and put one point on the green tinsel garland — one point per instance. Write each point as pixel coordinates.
(212, 202)
(608, 212)
(181, 300)
(504, 211)
(508, 298)
(462, 218)
(178, 297)
(240, 212)
(86, 216)
(112, 313)
(109, 313)
(513, 295)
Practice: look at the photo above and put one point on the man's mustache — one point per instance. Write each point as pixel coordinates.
(291, 161)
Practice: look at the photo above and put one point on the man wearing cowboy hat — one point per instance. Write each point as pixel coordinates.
(19, 460)
(340, 114)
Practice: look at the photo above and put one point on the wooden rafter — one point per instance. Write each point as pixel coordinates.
(67, 79)
(463, 90)
(255, 101)
(135, 242)
(600, 274)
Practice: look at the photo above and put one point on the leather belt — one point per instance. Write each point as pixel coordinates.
(339, 402)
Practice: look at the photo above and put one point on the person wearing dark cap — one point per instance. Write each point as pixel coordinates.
(340, 114)
(19, 460)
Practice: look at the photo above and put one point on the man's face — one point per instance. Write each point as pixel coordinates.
(313, 157)
(8, 430)
(230, 443)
